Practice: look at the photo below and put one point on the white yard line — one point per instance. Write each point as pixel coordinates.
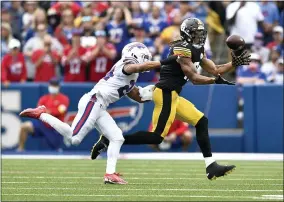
(161, 189)
(154, 183)
(121, 195)
(133, 178)
(128, 173)
(163, 156)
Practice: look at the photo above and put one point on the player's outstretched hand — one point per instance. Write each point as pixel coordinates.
(243, 59)
(221, 80)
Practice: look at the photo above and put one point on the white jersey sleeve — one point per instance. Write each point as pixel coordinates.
(115, 84)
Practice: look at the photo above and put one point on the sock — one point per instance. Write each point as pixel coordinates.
(202, 137)
(208, 161)
(63, 128)
(112, 155)
(143, 137)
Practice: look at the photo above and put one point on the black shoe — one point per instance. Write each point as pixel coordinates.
(215, 170)
(99, 147)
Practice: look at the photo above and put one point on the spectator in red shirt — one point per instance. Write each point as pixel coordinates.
(73, 60)
(277, 37)
(178, 136)
(101, 57)
(63, 32)
(13, 64)
(57, 105)
(45, 61)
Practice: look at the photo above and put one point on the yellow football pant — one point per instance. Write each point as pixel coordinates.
(168, 106)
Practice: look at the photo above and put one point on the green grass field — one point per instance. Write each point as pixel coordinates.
(82, 180)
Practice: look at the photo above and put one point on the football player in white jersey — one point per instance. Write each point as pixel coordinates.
(119, 81)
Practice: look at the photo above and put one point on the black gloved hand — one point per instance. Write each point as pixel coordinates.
(243, 59)
(221, 80)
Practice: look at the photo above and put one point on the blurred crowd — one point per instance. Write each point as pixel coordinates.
(79, 41)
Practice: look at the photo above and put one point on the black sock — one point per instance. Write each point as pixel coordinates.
(143, 137)
(202, 137)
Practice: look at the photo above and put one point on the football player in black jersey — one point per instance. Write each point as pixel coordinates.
(186, 56)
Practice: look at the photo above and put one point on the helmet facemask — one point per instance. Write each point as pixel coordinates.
(199, 38)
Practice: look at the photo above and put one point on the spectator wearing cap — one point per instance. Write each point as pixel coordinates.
(101, 57)
(6, 36)
(36, 43)
(251, 74)
(117, 28)
(277, 37)
(56, 104)
(45, 61)
(270, 67)
(271, 18)
(277, 78)
(259, 48)
(73, 60)
(63, 32)
(155, 23)
(13, 64)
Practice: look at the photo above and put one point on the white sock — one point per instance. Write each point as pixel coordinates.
(63, 128)
(208, 161)
(112, 155)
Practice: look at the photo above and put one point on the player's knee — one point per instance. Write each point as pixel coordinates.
(116, 135)
(202, 123)
(27, 126)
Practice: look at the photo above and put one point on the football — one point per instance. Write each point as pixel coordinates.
(236, 43)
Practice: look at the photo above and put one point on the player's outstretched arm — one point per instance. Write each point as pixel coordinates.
(189, 70)
(147, 66)
(216, 70)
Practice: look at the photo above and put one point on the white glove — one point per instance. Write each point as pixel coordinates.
(146, 93)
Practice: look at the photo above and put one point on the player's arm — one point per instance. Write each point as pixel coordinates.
(212, 68)
(189, 70)
(146, 66)
(209, 66)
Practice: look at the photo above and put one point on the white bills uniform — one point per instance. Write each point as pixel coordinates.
(92, 106)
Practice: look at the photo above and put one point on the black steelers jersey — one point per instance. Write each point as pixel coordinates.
(171, 75)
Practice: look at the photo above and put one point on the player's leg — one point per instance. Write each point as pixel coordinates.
(89, 110)
(107, 126)
(26, 128)
(163, 117)
(40, 113)
(187, 112)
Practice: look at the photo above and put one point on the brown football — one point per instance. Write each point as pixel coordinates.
(235, 42)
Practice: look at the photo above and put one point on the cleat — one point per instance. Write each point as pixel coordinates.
(215, 170)
(33, 112)
(99, 147)
(114, 179)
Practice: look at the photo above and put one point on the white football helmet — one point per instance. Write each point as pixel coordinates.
(136, 52)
